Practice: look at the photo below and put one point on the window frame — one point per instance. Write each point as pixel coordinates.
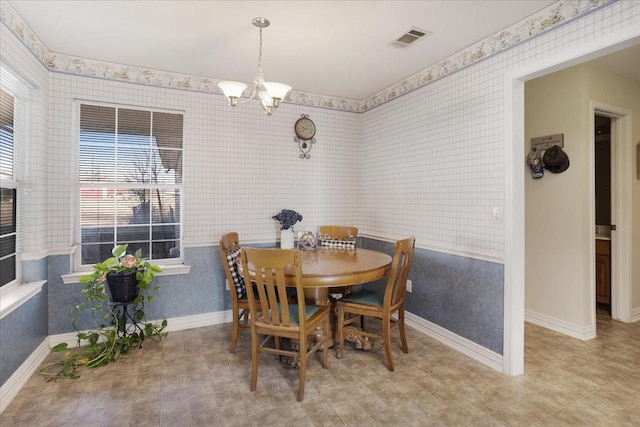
(78, 266)
(12, 84)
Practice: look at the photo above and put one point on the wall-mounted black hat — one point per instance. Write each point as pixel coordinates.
(555, 160)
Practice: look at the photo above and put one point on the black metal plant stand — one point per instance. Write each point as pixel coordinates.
(127, 314)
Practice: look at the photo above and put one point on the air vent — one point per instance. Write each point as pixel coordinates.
(410, 37)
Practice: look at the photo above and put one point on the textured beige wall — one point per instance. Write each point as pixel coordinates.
(556, 206)
(557, 221)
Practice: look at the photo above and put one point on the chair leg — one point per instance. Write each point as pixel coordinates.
(403, 336)
(254, 360)
(326, 330)
(340, 352)
(302, 375)
(235, 327)
(386, 337)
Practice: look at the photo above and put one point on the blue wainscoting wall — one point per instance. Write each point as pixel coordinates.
(21, 332)
(61, 297)
(26, 327)
(201, 291)
(463, 295)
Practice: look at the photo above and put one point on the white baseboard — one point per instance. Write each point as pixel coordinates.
(635, 314)
(198, 320)
(475, 351)
(567, 328)
(12, 386)
(173, 324)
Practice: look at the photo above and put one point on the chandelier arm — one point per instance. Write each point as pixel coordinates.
(253, 94)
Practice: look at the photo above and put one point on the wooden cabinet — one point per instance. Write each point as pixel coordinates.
(603, 272)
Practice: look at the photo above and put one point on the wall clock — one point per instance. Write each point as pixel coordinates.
(305, 131)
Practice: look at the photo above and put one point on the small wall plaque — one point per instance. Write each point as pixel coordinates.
(544, 142)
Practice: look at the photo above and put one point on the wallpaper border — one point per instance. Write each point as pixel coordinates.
(553, 16)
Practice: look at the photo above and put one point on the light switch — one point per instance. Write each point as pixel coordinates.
(496, 213)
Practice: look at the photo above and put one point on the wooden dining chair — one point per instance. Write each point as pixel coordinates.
(381, 305)
(280, 318)
(338, 232)
(230, 255)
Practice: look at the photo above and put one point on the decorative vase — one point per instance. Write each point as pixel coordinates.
(123, 287)
(286, 239)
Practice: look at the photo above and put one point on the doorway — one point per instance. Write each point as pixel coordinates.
(604, 226)
(618, 122)
(515, 230)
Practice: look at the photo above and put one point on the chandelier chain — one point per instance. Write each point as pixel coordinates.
(260, 52)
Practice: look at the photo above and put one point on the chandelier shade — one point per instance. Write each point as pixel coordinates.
(269, 93)
(232, 90)
(277, 91)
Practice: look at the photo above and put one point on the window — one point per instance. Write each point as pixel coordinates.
(8, 193)
(130, 180)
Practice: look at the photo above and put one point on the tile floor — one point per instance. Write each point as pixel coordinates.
(190, 379)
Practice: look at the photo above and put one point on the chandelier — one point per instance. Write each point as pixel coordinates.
(269, 93)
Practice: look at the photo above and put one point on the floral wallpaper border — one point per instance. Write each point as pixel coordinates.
(551, 17)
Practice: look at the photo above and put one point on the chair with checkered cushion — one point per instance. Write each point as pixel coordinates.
(229, 254)
(339, 232)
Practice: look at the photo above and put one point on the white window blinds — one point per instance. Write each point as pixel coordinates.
(130, 179)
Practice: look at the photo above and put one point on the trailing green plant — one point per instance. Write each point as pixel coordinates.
(109, 338)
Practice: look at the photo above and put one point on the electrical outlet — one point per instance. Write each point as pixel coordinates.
(226, 284)
(409, 286)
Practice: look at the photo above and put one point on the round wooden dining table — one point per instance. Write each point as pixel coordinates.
(331, 272)
(323, 269)
(328, 271)
(327, 268)
(342, 267)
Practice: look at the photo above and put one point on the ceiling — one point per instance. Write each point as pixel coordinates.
(624, 62)
(335, 48)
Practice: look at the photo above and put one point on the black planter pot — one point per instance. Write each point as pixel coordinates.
(123, 287)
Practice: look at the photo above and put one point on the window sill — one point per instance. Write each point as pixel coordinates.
(167, 270)
(17, 296)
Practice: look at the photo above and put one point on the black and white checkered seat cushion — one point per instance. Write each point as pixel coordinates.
(339, 244)
(238, 280)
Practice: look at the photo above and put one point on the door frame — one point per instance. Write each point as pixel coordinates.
(514, 248)
(622, 157)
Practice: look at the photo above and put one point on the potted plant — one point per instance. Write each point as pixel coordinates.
(128, 275)
(287, 219)
(129, 278)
